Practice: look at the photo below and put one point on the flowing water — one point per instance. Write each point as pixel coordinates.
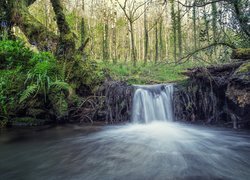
(153, 103)
(156, 150)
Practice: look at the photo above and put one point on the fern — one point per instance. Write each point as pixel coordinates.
(30, 90)
(60, 85)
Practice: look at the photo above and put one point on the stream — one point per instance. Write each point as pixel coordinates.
(158, 150)
(152, 147)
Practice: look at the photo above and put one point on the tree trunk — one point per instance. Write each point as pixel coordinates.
(36, 33)
(161, 39)
(174, 31)
(244, 24)
(156, 43)
(5, 24)
(66, 46)
(194, 27)
(179, 31)
(105, 42)
(133, 48)
(214, 19)
(145, 36)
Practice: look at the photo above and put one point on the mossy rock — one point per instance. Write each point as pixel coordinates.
(241, 53)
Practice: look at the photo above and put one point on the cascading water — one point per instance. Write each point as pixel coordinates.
(153, 103)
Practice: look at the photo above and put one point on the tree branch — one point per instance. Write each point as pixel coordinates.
(123, 7)
(203, 4)
(206, 47)
(81, 48)
(142, 4)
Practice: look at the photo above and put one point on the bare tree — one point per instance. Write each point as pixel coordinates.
(131, 10)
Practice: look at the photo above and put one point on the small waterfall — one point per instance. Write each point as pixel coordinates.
(153, 103)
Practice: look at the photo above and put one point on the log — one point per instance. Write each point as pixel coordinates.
(241, 53)
(213, 70)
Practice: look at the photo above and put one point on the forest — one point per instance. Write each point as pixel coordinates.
(125, 89)
(60, 58)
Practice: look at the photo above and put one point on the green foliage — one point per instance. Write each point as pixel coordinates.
(147, 74)
(42, 71)
(13, 54)
(30, 90)
(10, 85)
(3, 97)
(60, 85)
(244, 68)
(43, 75)
(27, 77)
(241, 53)
(87, 72)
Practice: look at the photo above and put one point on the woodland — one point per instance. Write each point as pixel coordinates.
(65, 61)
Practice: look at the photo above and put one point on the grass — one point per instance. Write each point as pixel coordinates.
(147, 74)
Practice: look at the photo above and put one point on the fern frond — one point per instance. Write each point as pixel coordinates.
(30, 90)
(60, 85)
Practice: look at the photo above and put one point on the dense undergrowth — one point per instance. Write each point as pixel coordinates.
(34, 85)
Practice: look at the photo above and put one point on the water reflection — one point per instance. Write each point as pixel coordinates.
(152, 151)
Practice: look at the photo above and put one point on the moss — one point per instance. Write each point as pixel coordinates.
(36, 33)
(69, 37)
(241, 53)
(244, 68)
(59, 103)
(28, 121)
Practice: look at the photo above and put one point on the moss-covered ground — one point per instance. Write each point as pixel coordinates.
(149, 73)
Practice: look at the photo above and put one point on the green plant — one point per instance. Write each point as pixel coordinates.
(28, 92)
(3, 97)
(43, 75)
(10, 85)
(13, 54)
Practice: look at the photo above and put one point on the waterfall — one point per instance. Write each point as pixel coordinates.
(153, 103)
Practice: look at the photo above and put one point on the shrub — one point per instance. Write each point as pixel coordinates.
(13, 54)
